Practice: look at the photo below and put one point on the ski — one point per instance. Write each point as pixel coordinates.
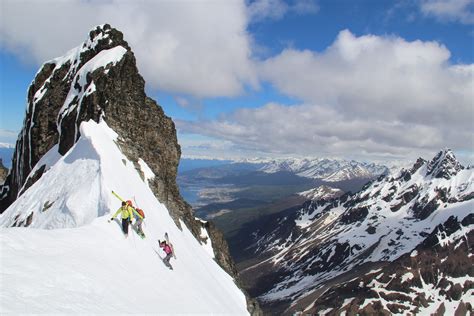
(134, 210)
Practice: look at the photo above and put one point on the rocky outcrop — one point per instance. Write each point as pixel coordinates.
(99, 80)
(444, 165)
(442, 263)
(77, 88)
(322, 192)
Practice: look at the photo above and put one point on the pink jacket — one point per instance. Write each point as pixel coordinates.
(167, 249)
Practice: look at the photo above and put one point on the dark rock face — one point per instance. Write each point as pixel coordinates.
(399, 287)
(69, 90)
(117, 95)
(355, 215)
(444, 165)
(424, 207)
(418, 164)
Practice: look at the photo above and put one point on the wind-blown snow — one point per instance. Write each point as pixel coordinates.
(147, 172)
(72, 260)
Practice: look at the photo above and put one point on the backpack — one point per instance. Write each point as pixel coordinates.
(140, 211)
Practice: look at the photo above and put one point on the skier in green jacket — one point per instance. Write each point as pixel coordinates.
(126, 211)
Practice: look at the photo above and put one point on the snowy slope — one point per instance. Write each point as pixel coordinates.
(305, 249)
(349, 172)
(72, 260)
(322, 192)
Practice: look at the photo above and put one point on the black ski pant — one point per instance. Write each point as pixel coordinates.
(125, 225)
(166, 260)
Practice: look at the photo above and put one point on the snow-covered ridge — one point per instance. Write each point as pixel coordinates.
(76, 250)
(444, 165)
(321, 192)
(388, 218)
(327, 169)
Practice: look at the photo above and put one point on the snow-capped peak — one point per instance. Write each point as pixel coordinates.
(324, 168)
(444, 165)
(321, 192)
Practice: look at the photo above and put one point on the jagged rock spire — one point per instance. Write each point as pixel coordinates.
(97, 80)
(444, 165)
(60, 97)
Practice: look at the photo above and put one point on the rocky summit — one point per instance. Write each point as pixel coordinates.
(403, 244)
(99, 80)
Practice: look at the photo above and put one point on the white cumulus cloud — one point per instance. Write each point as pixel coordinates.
(449, 10)
(259, 10)
(368, 95)
(199, 48)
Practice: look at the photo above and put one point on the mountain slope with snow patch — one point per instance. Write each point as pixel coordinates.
(71, 259)
(303, 252)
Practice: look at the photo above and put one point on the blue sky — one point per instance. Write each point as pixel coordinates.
(368, 80)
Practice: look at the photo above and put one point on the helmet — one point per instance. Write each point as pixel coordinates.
(129, 202)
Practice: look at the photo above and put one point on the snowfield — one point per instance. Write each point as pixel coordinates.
(72, 260)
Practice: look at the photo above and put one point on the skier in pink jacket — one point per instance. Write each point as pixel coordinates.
(169, 253)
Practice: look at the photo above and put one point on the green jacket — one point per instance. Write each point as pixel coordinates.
(127, 212)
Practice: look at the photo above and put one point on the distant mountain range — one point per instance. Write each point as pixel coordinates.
(331, 170)
(193, 172)
(403, 244)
